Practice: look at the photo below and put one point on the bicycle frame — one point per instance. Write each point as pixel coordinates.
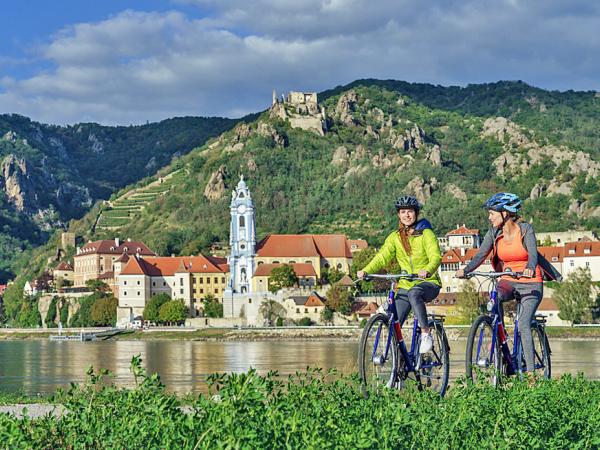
(396, 328)
(499, 334)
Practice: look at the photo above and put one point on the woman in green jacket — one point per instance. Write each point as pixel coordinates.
(417, 251)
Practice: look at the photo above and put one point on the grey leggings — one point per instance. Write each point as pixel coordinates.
(531, 296)
(416, 297)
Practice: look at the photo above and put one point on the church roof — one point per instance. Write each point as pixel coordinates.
(108, 246)
(170, 265)
(304, 245)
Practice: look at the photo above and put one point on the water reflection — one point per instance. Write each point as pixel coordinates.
(42, 366)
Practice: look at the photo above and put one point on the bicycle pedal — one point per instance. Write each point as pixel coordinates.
(378, 360)
(483, 363)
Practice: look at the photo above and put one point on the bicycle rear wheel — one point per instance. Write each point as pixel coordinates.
(434, 366)
(541, 351)
(378, 353)
(483, 364)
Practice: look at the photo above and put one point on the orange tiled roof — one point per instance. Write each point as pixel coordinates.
(170, 265)
(368, 309)
(452, 256)
(304, 245)
(346, 281)
(64, 266)
(462, 230)
(582, 248)
(108, 246)
(107, 276)
(300, 269)
(552, 254)
(313, 300)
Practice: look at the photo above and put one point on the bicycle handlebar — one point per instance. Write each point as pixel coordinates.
(393, 277)
(493, 275)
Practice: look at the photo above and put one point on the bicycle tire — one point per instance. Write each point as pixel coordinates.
(374, 368)
(488, 365)
(434, 378)
(541, 351)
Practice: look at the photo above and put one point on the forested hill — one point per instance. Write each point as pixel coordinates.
(386, 138)
(51, 174)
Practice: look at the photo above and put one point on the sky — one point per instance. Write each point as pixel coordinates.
(132, 61)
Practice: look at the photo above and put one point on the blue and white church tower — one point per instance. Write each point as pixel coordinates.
(242, 239)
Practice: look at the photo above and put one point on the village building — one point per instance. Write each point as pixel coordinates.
(95, 260)
(64, 270)
(549, 309)
(582, 255)
(311, 306)
(562, 237)
(307, 277)
(460, 237)
(188, 278)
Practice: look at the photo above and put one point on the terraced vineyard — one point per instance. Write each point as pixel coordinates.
(117, 213)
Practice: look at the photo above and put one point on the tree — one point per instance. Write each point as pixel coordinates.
(51, 313)
(212, 306)
(339, 299)
(574, 297)
(468, 303)
(327, 315)
(97, 286)
(151, 311)
(173, 311)
(305, 322)
(271, 311)
(282, 276)
(83, 316)
(104, 312)
(331, 275)
(29, 315)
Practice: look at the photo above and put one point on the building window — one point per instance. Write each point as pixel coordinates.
(194, 290)
(193, 280)
(125, 293)
(181, 291)
(339, 266)
(139, 293)
(223, 280)
(215, 280)
(572, 263)
(315, 309)
(138, 282)
(249, 300)
(554, 259)
(181, 282)
(305, 310)
(164, 283)
(242, 222)
(216, 291)
(447, 288)
(202, 291)
(125, 283)
(297, 310)
(587, 264)
(154, 283)
(201, 280)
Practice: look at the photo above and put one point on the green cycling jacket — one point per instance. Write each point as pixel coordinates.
(425, 256)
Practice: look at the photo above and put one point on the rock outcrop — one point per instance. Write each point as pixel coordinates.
(345, 107)
(267, 130)
(15, 181)
(216, 187)
(420, 188)
(456, 192)
(341, 156)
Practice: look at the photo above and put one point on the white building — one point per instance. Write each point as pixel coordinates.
(562, 237)
(460, 237)
(582, 254)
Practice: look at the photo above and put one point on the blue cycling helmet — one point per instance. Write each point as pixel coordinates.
(408, 202)
(504, 201)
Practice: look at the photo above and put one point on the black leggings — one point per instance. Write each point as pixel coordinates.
(531, 296)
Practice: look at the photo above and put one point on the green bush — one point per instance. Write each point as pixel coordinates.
(305, 322)
(314, 410)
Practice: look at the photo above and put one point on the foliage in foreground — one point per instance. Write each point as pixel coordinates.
(310, 410)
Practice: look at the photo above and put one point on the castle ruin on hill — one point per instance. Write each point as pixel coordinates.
(301, 109)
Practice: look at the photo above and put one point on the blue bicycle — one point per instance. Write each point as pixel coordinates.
(383, 356)
(488, 348)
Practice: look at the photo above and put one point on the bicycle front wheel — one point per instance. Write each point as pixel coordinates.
(482, 362)
(378, 353)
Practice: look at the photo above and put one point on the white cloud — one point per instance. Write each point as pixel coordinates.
(139, 66)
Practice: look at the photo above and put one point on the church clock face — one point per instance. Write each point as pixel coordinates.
(241, 209)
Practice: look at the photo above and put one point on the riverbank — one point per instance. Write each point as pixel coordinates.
(274, 333)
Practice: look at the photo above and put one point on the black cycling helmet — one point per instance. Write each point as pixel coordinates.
(408, 202)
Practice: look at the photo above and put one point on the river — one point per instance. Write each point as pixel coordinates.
(39, 366)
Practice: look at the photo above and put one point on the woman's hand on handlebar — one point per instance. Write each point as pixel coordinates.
(527, 273)
(460, 273)
(423, 274)
(360, 274)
